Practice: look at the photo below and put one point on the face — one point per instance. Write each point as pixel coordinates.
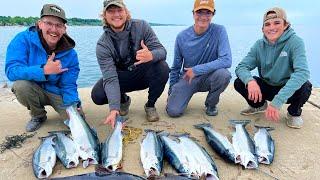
(273, 29)
(52, 28)
(202, 19)
(116, 17)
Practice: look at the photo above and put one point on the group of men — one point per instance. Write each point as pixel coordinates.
(44, 66)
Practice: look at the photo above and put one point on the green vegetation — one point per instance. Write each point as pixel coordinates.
(29, 21)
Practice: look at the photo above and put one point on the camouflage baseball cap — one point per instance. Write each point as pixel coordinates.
(108, 3)
(53, 10)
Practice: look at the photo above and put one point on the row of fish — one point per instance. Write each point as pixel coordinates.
(84, 144)
(184, 154)
(244, 150)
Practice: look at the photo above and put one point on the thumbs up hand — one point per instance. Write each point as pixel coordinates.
(143, 55)
(53, 67)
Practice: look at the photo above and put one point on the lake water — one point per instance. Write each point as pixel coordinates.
(241, 39)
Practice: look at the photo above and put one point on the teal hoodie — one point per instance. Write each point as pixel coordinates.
(281, 64)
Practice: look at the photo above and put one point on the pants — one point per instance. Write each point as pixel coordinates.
(32, 96)
(296, 101)
(181, 93)
(149, 75)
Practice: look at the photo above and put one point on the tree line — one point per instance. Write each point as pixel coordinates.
(28, 21)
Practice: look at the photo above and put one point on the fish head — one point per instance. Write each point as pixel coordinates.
(249, 161)
(44, 172)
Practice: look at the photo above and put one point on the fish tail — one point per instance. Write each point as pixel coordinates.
(242, 122)
(268, 128)
(202, 125)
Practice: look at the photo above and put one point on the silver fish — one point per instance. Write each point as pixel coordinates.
(177, 156)
(84, 137)
(264, 145)
(66, 149)
(151, 154)
(204, 164)
(243, 145)
(218, 142)
(44, 159)
(111, 153)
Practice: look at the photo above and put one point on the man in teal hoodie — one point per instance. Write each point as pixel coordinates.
(283, 71)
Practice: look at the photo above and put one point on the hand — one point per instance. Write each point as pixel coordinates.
(254, 91)
(143, 55)
(272, 113)
(111, 118)
(188, 75)
(53, 67)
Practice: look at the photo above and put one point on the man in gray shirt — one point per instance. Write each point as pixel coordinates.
(131, 58)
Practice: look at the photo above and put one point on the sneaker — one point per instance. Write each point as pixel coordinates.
(35, 123)
(211, 111)
(152, 114)
(251, 110)
(294, 121)
(124, 107)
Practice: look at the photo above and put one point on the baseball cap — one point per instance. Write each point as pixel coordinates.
(203, 4)
(275, 13)
(53, 10)
(118, 3)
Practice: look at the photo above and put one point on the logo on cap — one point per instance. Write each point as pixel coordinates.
(54, 8)
(204, 1)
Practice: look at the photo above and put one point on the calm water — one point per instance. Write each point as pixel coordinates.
(241, 39)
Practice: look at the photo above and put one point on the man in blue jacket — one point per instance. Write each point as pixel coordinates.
(44, 66)
(201, 57)
(281, 61)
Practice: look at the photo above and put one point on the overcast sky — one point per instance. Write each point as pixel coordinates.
(175, 11)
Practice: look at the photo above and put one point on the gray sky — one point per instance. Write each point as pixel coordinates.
(175, 11)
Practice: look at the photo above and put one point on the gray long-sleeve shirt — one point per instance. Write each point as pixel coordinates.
(113, 48)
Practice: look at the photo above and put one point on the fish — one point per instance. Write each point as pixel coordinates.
(66, 149)
(44, 158)
(111, 153)
(84, 137)
(177, 156)
(98, 176)
(151, 154)
(265, 147)
(244, 145)
(218, 142)
(204, 164)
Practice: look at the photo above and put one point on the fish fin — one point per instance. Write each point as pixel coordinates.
(65, 132)
(163, 133)
(202, 125)
(67, 122)
(268, 128)
(181, 135)
(243, 122)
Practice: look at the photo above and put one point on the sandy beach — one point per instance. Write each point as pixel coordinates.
(296, 156)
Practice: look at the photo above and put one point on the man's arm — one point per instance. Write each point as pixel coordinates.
(224, 59)
(68, 81)
(17, 57)
(175, 72)
(109, 73)
(299, 76)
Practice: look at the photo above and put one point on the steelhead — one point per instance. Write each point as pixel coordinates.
(204, 164)
(111, 153)
(264, 145)
(218, 142)
(151, 154)
(66, 149)
(84, 137)
(243, 145)
(44, 159)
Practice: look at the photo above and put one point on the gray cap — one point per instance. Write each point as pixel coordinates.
(53, 10)
(108, 3)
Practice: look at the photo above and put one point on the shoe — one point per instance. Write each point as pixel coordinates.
(211, 111)
(124, 107)
(294, 121)
(151, 113)
(35, 123)
(251, 110)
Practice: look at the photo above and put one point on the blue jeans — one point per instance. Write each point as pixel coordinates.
(215, 83)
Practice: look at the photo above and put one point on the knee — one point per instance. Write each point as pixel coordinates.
(163, 70)
(221, 76)
(173, 112)
(238, 85)
(96, 97)
(21, 86)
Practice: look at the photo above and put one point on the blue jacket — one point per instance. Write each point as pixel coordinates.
(26, 57)
(205, 53)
